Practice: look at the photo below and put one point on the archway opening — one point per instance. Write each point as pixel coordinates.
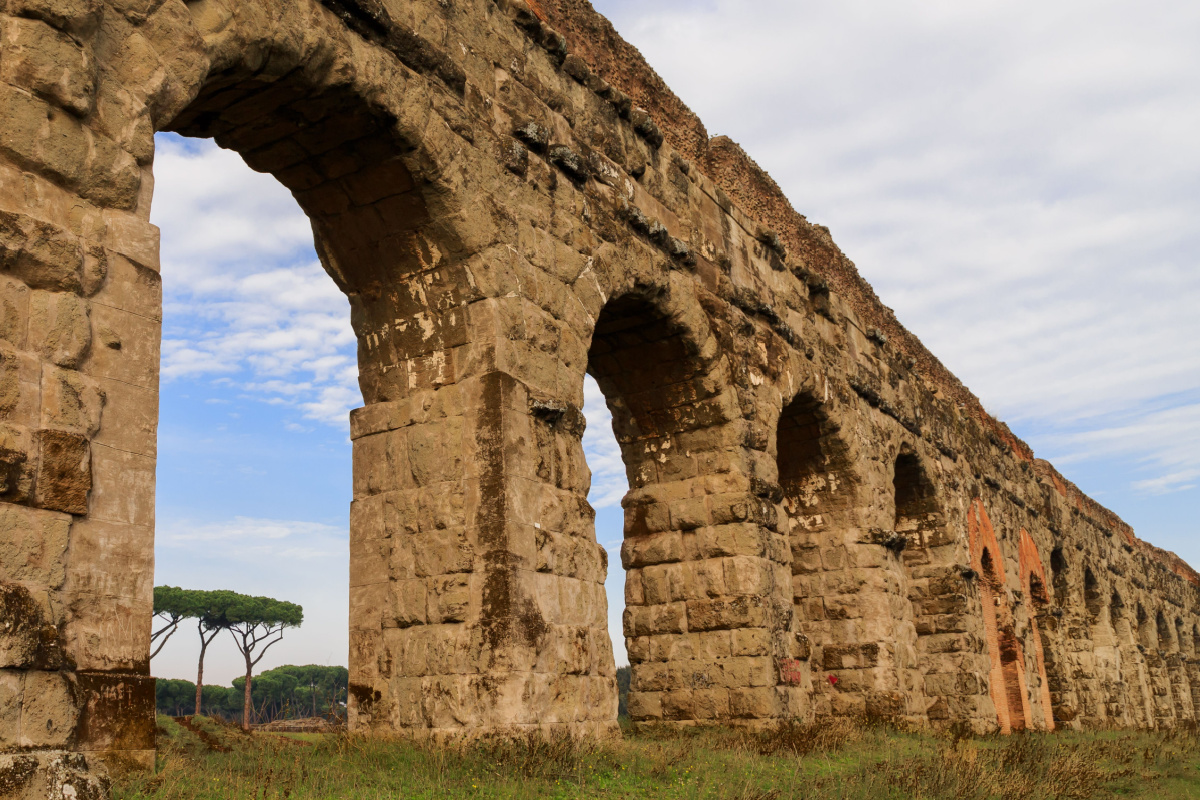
(668, 414)
(351, 173)
(1006, 647)
(818, 490)
(253, 460)
(1147, 636)
(1092, 600)
(1163, 631)
(1059, 577)
(1120, 619)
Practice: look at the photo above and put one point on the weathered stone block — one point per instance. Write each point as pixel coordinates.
(40, 254)
(48, 63)
(51, 703)
(33, 546)
(738, 612)
(71, 401)
(11, 683)
(449, 599)
(64, 474)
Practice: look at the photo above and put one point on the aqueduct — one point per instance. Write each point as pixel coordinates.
(822, 520)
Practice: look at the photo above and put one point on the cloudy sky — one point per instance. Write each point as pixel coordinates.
(1019, 180)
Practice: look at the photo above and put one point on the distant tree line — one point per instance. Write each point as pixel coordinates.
(288, 692)
(255, 623)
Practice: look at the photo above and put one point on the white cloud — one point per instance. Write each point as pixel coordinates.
(248, 537)
(1018, 180)
(244, 295)
(609, 481)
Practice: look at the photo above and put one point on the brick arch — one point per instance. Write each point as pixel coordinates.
(1007, 678)
(1044, 626)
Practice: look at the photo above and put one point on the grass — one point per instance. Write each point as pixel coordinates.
(210, 760)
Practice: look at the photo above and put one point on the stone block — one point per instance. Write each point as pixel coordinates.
(14, 306)
(658, 548)
(449, 599)
(33, 546)
(123, 487)
(737, 612)
(48, 63)
(130, 417)
(645, 706)
(136, 361)
(37, 133)
(72, 402)
(51, 704)
(60, 327)
(410, 602)
(11, 683)
(651, 620)
(755, 703)
(663, 583)
(116, 712)
(18, 463)
(443, 552)
(64, 472)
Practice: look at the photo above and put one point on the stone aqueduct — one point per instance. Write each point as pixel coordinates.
(511, 198)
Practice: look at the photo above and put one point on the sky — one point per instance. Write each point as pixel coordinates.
(1020, 181)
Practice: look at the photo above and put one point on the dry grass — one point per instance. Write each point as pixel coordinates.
(835, 760)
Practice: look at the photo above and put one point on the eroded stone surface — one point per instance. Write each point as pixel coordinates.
(821, 521)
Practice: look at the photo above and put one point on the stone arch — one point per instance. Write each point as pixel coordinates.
(1120, 619)
(701, 588)
(1183, 644)
(1059, 576)
(391, 230)
(822, 502)
(1092, 597)
(1163, 633)
(929, 556)
(1147, 635)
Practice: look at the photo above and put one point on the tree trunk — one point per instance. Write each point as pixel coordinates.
(200, 673)
(246, 708)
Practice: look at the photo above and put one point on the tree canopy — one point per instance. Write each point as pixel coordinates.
(288, 692)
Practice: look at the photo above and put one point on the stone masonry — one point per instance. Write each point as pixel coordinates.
(822, 520)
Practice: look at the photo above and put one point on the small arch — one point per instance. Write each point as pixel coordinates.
(1119, 619)
(1163, 629)
(1059, 577)
(1182, 644)
(1037, 592)
(1146, 633)
(1091, 596)
(913, 492)
(1195, 640)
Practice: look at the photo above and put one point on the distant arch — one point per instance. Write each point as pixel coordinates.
(1163, 630)
(1147, 637)
(1006, 648)
(1119, 618)
(1059, 576)
(1092, 600)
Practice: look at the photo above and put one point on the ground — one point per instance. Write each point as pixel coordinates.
(202, 759)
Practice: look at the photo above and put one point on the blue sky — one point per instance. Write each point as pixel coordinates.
(1018, 180)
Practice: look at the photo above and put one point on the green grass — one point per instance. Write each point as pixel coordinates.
(827, 761)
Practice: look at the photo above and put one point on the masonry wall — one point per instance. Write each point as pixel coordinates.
(821, 520)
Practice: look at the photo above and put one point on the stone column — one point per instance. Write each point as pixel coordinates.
(477, 595)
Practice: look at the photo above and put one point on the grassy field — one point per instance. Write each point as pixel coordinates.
(211, 760)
